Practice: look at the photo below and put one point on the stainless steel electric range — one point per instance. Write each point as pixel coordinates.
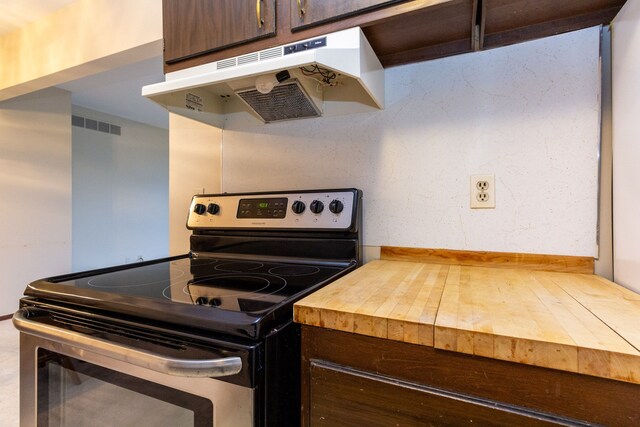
(204, 339)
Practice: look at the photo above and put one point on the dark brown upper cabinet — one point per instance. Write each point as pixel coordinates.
(197, 27)
(305, 13)
(400, 31)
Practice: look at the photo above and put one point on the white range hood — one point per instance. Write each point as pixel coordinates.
(337, 73)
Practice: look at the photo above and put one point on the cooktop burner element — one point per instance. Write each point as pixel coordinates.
(153, 275)
(238, 266)
(234, 285)
(240, 292)
(294, 270)
(198, 262)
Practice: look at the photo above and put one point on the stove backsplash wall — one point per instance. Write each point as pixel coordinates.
(527, 113)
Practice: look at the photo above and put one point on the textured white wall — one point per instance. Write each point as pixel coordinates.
(35, 191)
(120, 193)
(527, 113)
(194, 168)
(626, 145)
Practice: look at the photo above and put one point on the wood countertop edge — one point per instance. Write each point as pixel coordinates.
(510, 349)
(395, 329)
(565, 357)
(609, 364)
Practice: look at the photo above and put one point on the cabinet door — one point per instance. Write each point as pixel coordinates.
(305, 13)
(345, 397)
(195, 27)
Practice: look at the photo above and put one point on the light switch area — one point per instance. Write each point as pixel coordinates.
(483, 192)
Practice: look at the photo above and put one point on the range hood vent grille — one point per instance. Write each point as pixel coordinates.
(276, 52)
(286, 101)
(226, 63)
(247, 59)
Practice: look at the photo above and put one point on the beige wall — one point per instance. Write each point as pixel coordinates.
(35, 191)
(81, 39)
(194, 168)
(626, 145)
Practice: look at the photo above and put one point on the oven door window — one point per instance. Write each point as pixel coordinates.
(75, 393)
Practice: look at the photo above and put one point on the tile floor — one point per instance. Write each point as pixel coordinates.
(9, 373)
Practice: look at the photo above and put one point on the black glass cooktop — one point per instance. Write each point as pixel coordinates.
(234, 285)
(226, 295)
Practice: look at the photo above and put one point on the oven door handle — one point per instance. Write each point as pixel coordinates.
(202, 368)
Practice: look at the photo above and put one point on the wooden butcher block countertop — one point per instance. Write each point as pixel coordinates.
(574, 322)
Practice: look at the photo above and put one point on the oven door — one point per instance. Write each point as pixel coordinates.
(76, 379)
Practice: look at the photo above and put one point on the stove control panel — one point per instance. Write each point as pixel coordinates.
(317, 209)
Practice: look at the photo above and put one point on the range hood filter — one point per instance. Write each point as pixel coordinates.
(286, 101)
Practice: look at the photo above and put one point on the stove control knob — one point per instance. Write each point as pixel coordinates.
(199, 208)
(316, 206)
(336, 206)
(202, 300)
(298, 207)
(213, 208)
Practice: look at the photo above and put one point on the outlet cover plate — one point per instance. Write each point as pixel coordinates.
(482, 192)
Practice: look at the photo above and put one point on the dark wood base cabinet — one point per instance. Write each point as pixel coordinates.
(355, 380)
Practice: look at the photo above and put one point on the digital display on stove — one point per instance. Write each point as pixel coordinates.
(262, 208)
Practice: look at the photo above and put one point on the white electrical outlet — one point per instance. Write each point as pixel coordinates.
(483, 192)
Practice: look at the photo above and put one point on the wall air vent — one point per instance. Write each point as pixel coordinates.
(91, 124)
(96, 125)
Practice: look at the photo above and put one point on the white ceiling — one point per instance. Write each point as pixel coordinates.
(17, 13)
(116, 91)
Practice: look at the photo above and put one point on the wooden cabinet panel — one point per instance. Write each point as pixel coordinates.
(570, 397)
(305, 13)
(346, 397)
(407, 38)
(196, 27)
(512, 21)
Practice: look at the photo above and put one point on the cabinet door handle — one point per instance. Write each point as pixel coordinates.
(300, 9)
(259, 14)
